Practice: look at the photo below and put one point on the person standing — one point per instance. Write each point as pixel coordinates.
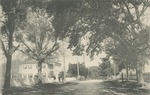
(59, 77)
(62, 78)
(54, 78)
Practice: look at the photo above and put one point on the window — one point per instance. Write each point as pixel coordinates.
(25, 66)
(30, 75)
(29, 66)
(20, 75)
(52, 73)
(50, 66)
(44, 74)
(24, 76)
(13, 76)
(49, 75)
(35, 76)
(43, 66)
(143, 68)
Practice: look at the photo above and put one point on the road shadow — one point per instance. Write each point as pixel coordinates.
(129, 88)
(46, 88)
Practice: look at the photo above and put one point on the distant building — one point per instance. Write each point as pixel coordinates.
(27, 71)
(146, 68)
(132, 73)
(30, 70)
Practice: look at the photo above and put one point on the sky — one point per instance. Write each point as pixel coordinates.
(69, 58)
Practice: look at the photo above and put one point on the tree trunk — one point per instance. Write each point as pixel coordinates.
(8, 56)
(8, 52)
(127, 73)
(39, 73)
(8, 72)
(122, 76)
(140, 76)
(136, 74)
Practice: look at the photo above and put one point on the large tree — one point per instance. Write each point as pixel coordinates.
(14, 13)
(37, 37)
(14, 10)
(134, 55)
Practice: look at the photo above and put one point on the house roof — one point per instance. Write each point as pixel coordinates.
(54, 62)
(57, 64)
(17, 61)
(27, 61)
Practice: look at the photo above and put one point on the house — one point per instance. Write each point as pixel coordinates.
(15, 68)
(27, 71)
(146, 68)
(2, 69)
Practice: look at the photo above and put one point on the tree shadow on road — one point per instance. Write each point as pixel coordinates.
(36, 90)
(129, 88)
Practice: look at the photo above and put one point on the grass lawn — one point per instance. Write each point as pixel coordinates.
(130, 87)
(49, 86)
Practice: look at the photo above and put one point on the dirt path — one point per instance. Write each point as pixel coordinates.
(93, 87)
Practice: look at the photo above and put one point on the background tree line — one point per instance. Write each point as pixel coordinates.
(72, 70)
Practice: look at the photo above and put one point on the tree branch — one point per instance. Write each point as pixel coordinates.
(143, 49)
(3, 47)
(53, 49)
(29, 48)
(45, 47)
(144, 7)
(27, 54)
(127, 7)
(5, 29)
(14, 49)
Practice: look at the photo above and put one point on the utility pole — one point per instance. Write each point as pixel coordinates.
(88, 72)
(114, 70)
(64, 63)
(77, 68)
(114, 65)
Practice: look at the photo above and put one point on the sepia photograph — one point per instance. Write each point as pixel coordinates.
(74, 47)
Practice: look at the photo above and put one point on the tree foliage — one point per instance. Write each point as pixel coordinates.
(94, 72)
(39, 32)
(105, 68)
(72, 70)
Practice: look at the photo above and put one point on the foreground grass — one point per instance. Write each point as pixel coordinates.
(128, 87)
(115, 87)
(45, 87)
